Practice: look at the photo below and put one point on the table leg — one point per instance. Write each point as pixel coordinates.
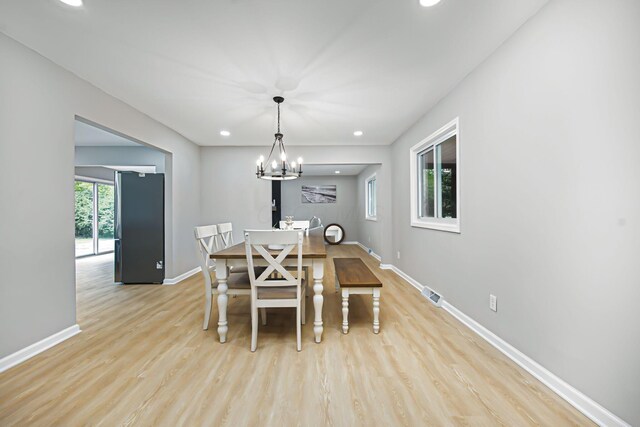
(221, 275)
(376, 310)
(318, 275)
(345, 311)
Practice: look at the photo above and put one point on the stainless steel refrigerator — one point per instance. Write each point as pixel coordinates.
(139, 227)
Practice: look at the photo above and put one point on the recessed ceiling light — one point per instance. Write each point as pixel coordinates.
(225, 133)
(429, 3)
(358, 133)
(74, 3)
(337, 171)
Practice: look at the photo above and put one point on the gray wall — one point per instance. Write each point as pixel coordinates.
(550, 209)
(38, 104)
(231, 192)
(370, 233)
(343, 212)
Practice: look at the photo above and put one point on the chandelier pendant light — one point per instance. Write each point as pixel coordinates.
(280, 169)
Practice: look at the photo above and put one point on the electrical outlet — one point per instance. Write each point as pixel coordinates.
(493, 302)
(398, 254)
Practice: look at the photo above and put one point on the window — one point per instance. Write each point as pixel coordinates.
(371, 198)
(435, 180)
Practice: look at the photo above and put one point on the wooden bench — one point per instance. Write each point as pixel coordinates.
(354, 277)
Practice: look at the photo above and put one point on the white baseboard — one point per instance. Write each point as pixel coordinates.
(368, 250)
(181, 277)
(42, 345)
(593, 410)
(413, 282)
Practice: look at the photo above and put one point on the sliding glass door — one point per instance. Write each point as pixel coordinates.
(84, 218)
(94, 217)
(105, 217)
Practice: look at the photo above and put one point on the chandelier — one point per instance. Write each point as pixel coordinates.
(280, 168)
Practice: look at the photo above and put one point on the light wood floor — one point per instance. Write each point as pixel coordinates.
(144, 359)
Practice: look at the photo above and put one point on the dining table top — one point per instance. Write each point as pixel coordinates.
(312, 247)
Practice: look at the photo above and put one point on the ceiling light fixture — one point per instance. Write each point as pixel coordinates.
(278, 170)
(74, 3)
(429, 3)
(225, 133)
(337, 171)
(358, 133)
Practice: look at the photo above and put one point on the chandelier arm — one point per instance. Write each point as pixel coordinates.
(284, 151)
(271, 152)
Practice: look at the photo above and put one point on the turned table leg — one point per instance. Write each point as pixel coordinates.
(221, 275)
(318, 275)
(376, 311)
(345, 311)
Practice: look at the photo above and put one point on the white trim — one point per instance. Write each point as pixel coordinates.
(38, 347)
(91, 179)
(369, 251)
(591, 409)
(181, 277)
(350, 243)
(413, 282)
(367, 196)
(442, 224)
(436, 225)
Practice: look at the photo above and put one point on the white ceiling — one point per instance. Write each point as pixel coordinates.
(91, 136)
(202, 66)
(326, 170)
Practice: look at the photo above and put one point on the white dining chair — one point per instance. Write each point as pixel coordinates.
(225, 231)
(285, 290)
(225, 239)
(237, 282)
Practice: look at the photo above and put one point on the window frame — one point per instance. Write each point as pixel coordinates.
(367, 197)
(443, 224)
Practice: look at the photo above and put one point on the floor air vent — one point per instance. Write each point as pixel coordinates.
(432, 296)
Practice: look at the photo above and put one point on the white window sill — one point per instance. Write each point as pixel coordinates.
(371, 218)
(441, 226)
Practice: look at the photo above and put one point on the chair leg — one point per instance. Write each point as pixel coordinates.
(303, 302)
(263, 315)
(254, 328)
(298, 329)
(345, 311)
(376, 311)
(207, 310)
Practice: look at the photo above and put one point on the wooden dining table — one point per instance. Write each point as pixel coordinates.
(313, 255)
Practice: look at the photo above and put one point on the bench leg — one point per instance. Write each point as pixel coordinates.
(376, 311)
(345, 311)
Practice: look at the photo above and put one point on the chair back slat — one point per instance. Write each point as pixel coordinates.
(225, 233)
(258, 241)
(207, 243)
